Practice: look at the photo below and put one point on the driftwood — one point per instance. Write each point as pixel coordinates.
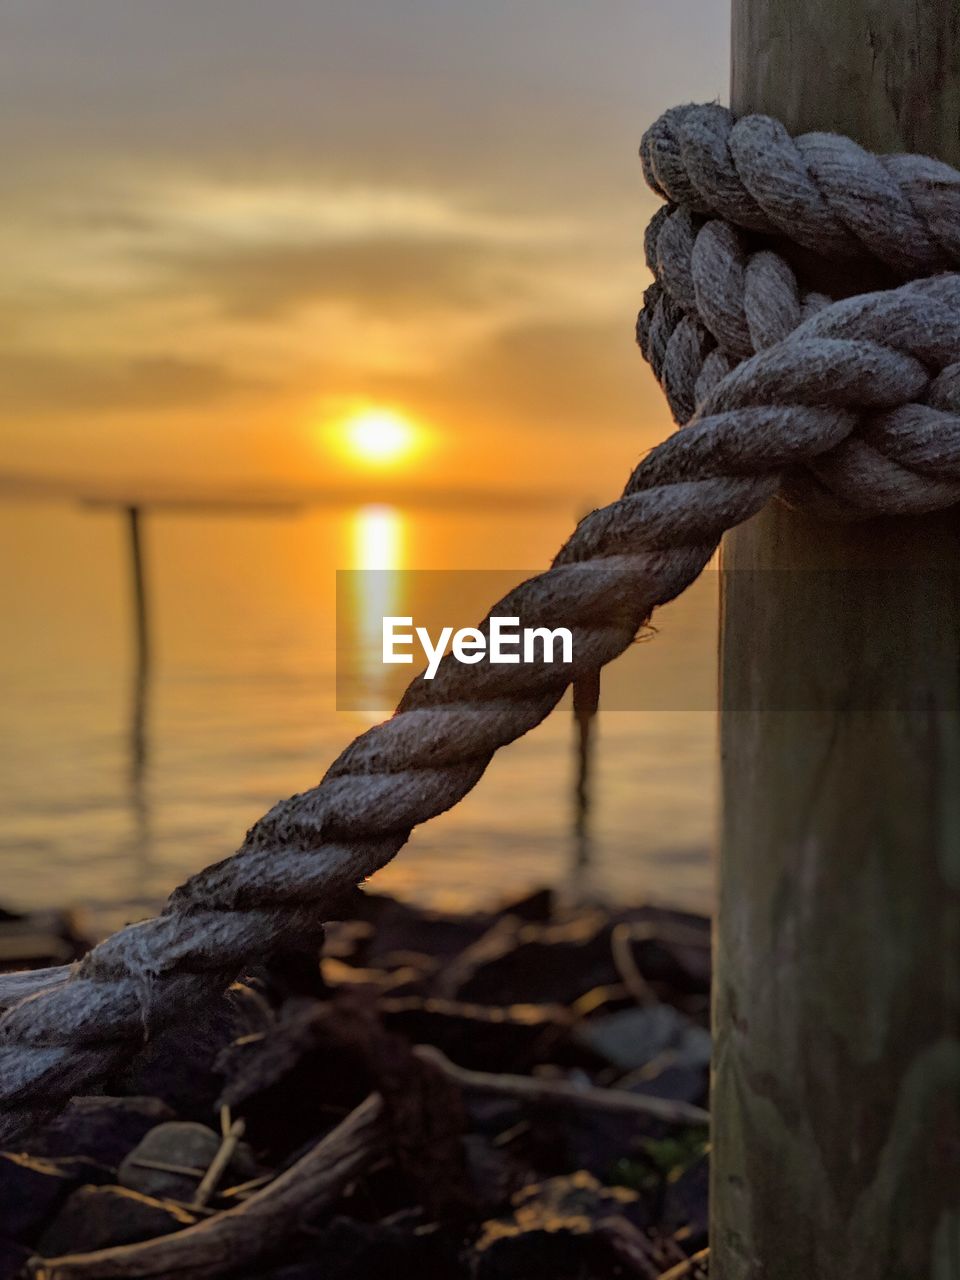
(621, 948)
(239, 1236)
(252, 1224)
(640, 1254)
(554, 1092)
(232, 1133)
(695, 1268)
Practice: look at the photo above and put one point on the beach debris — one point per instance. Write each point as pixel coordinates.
(685, 1199)
(13, 1259)
(544, 1091)
(37, 939)
(178, 1062)
(239, 1236)
(95, 1217)
(635, 1037)
(567, 1227)
(173, 1160)
(671, 950)
(352, 1112)
(350, 1250)
(672, 1076)
(105, 1129)
(516, 1036)
(32, 1190)
(696, 1267)
(550, 963)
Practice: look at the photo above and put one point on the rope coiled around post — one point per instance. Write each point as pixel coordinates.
(849, 405)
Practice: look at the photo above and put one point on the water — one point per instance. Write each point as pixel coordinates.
(241, 711)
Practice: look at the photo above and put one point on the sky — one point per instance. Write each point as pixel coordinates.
(233, 226)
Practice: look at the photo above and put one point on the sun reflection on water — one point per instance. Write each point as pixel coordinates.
(379, 538)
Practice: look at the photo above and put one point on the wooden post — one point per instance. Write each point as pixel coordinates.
(836, 1097)
(586, 703)
(141, 631)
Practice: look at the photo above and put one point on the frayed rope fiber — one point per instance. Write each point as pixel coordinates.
(846, 405)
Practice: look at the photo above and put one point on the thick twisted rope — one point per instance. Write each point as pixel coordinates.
(850, 406)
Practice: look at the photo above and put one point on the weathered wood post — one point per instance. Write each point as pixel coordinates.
(837, 1007)
(141, 631)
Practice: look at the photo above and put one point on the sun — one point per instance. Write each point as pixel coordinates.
(378, 437)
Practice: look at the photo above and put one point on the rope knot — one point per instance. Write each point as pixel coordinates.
(758, 259)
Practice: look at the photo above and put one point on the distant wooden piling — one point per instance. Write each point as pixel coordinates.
(586, 703)
(142, 651)
(836, 1149)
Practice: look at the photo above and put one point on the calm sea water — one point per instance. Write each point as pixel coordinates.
(241, 711)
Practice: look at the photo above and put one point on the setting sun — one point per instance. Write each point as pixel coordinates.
(378, 437)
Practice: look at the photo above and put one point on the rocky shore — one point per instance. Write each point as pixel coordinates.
(495, 1096)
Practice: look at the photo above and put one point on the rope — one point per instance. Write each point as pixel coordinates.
(723, 293)
(849, 407)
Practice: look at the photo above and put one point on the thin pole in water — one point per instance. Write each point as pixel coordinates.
(586, 700)
(141, 626)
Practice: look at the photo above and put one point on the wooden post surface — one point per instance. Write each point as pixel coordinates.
(836, 1101)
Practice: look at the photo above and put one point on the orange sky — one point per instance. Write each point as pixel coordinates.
(231, 223)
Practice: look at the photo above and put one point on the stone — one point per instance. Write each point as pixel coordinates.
(494, 1174)
(670, 947)
(511, 1038)
(672, 1077)
(684, 966)
(536, 907)
(348, 1249)
(39, 939)
(635, 1037)
(549, 964)
(178, 1063)
(347, 940)
(185, 1144)
(685, 1203)
(32, 1189)
(99, 1217)
(104, 1129)
(12, 1259)
(557, 1250)
(295, 1081)
(552, 1231)
(398, 926)
(579, 1139)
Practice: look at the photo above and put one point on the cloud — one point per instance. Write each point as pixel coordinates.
(547, 97)
(544, 376)
(384, 276)
(560, 370)
(33, 382)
